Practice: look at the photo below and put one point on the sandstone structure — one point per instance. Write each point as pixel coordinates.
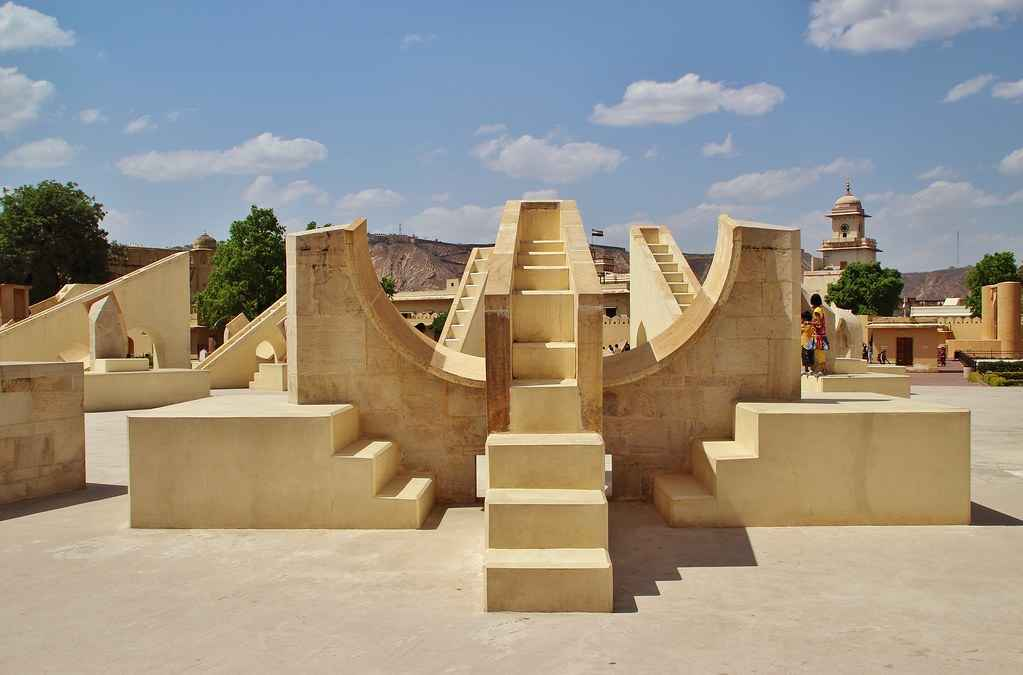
(108, 338)
(42, 429)
(379, 421)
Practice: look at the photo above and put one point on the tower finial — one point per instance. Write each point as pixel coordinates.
(848, 186)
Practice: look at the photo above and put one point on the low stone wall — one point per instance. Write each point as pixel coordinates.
(42, 429)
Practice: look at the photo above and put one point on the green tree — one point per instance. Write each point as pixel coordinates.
(867, 288)
(311, 225)
(438, 324)
(50, 235)
(248, 270)
(993, 268)
(389, 285)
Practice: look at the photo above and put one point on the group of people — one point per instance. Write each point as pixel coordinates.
(813, 337)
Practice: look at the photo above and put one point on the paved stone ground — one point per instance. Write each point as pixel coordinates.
(81, 592)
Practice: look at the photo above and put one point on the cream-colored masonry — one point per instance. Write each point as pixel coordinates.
(153, 299)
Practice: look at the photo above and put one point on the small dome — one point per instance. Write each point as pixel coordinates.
(847, 200)
(204, 240)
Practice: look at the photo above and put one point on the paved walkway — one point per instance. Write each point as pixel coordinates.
(82, 592)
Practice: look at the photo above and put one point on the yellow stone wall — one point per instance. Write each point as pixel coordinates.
(42, 429)
(348, 344)
(741, 341)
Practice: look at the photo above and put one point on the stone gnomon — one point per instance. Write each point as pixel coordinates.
(380, 421)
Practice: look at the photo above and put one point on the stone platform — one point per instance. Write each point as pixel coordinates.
(260, 462)
(830, 459)
(135, 390)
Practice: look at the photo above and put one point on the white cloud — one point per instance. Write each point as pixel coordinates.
(431, 155)
(972, 86)
(263, 153)
(540, 195)
(440, 197)
(725, 148)
(140, 124)
(265, 192)
(116, 223)
(651, 152)
(370, 198)
(917, 230)
(470, 224)
(491, 129)
(1008, 90)
(44, 154)
(539, 158)
(20, 98)
(938, 173)
(411, 40)
(877, 25)
(91, 116)
(767, 185)
(646, 102)
(24, 28)
(1012, 163)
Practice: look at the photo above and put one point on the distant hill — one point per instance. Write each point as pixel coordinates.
(936, 285)
(421, 264)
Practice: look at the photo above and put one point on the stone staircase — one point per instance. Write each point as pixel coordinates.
(669, 259)
(546, 513)
(229, 462)
(463, 330)
(833, 459)
(270, 377)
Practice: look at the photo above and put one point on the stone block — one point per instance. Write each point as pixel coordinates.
(108, 338)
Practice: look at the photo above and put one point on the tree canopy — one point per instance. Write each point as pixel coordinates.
(50, 235)
(993, 268)
(389, 285)
(867, 288)
(248, 270)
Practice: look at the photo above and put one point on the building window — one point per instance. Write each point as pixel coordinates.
(845, 230)
(610, 312)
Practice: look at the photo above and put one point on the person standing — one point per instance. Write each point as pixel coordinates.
(820, 334)
(806, 334)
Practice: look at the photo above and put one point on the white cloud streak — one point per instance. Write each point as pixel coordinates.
(91, 116)
(725, 148)
(261, 154)
(542, 159)
(25, 28)
(1012, 91)
(265, 192)
(139, 124)
(47, 153)
(972, 86)
(647, 102)
(863, 26)
(369, 199)
(769, 185)
(20, 98)
(1012, 163)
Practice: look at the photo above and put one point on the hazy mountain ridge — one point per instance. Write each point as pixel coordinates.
(421, 264)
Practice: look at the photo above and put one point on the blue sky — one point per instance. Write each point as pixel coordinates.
(178, 116)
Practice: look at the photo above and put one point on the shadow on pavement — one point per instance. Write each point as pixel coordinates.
(982, 515)
(92, 492)
(645, 550)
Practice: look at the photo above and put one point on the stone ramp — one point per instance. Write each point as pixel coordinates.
(833, 459)
(256, 461)
(463, 330)
(235, 363)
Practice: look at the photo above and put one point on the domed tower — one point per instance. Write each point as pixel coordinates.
(201, 262)
(849, 241)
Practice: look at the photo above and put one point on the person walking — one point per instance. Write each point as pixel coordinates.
(820, 334)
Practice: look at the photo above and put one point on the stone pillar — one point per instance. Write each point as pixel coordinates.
(988, 313)
(1008, 315)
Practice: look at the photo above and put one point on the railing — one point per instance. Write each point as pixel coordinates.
(969, 359)
(497, 308)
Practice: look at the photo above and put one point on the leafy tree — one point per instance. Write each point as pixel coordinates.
(389, 285)
(867, 288)
(993, 268)
(248, 270)
(438, 324)
(50, 235)
(311, 225)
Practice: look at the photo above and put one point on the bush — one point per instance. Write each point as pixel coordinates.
(1010, 379)
(1004, 366)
